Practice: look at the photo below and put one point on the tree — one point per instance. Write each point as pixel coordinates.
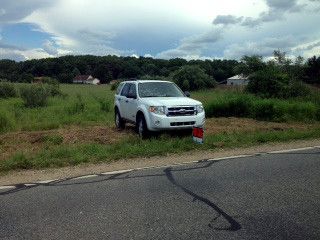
(250, 64)
(273, 83)
(101, 72)
(312, 72)
(192, 78)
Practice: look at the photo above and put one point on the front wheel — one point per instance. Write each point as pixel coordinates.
(142, 128)
(120, 124)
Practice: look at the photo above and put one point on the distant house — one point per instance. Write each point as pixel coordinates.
(86, 79)
(238, 80)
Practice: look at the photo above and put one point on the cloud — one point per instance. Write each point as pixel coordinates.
(49, 47)
(227, 19)
(12, 55)
(276, 11)
(192, 47)
(263, 48)
(13, 11)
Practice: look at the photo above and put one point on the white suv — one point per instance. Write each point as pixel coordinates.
(156, 105)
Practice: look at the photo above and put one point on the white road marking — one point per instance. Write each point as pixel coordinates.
(292, 150)
(117, 172)
(7, 187)
(231, 157)
(47, 181)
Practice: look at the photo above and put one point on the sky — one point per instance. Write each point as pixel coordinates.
(201, 29)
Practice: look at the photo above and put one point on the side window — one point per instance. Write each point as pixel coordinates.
(125, 90)
(132, 91)
(119, 88)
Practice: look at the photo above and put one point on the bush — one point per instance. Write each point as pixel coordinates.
(53, 90)
(7, 90)
(239, 106)
(115, 86)
(104, 104)
(5, 122)
(76, 107)
(34, 95)
(271, 83)
(192, 78)
(263, 109)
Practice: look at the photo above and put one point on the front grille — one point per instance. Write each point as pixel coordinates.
(176, 124)
(181, 111)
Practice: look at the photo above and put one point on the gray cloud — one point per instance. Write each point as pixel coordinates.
(263, 48)
(96, 36)
(308, 46)
(192, 47)
(12, 55)
(227, 19)
(276, 11)
(10, 47)
(49, 47)
(12, 11)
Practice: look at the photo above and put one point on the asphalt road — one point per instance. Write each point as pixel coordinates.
(271, 196)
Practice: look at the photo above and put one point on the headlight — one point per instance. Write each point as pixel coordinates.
(200, 109)
(158, 110)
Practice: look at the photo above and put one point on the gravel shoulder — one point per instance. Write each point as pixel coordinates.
(29, 176)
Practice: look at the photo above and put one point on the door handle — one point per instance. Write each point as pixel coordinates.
(127, 101)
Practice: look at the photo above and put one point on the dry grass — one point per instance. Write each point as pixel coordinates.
(31, 142)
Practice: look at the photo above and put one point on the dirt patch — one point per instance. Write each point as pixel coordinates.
(32, 142)
(229, 125)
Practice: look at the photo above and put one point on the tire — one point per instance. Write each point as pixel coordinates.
(120, 124)
(142, 128)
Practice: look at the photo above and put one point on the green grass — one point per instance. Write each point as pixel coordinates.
(57, 155)
(241, 104)
(92, 105)
(78, 105)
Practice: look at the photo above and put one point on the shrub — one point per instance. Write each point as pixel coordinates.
(34, 95)
(104, 104)
(5, 122)
(264, 110)
(53, 89)
(271, 83)
(115, 86)
(195, 76)
(76, 107)
(7, 90)
(239, 106)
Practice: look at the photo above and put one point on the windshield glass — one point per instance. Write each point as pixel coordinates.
(159, 89)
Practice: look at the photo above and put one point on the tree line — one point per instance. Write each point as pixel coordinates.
(108, 68)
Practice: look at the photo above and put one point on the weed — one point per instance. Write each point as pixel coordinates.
(34, 95)
(7, 90)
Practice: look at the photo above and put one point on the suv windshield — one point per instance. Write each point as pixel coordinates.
(159, 89)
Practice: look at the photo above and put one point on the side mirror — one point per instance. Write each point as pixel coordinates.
(187, 94)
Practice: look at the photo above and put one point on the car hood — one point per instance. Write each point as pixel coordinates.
(170, 101)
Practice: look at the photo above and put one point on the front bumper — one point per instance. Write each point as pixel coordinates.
(163, 122)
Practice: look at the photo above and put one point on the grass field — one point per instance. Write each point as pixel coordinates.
(77, 127)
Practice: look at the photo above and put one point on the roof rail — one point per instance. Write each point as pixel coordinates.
(131, 79)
